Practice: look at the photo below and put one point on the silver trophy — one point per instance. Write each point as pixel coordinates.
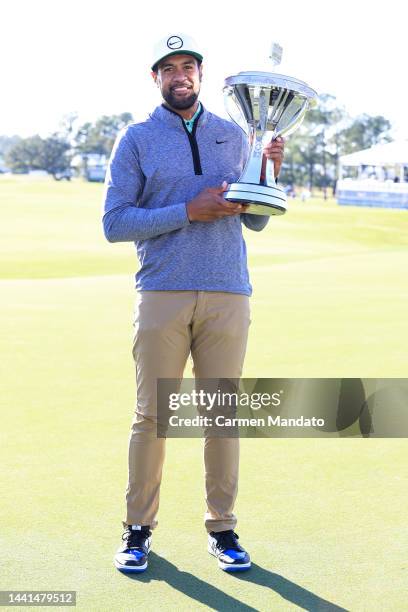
(265, 105)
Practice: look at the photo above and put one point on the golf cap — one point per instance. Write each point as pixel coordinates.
(173, 45)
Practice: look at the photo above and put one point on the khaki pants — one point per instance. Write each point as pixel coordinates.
(213, 326)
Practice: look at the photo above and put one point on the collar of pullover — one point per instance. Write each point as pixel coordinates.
(162, 113)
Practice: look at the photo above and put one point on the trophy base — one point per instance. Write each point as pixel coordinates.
(262, 200)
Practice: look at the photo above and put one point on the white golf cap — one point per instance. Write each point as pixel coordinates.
(173, 45)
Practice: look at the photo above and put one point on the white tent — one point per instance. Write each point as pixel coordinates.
(389, 154)
(384, 185)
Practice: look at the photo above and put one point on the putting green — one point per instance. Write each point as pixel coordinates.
(324, 520)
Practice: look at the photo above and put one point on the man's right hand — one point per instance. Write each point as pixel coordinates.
(209, 205)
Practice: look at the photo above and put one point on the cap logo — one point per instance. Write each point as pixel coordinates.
(175, 42)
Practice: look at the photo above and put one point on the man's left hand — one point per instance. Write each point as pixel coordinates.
(275, 151)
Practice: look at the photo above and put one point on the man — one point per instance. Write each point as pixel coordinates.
(164, 191)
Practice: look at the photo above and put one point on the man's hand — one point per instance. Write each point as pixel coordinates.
(209, 205)
(275, 151)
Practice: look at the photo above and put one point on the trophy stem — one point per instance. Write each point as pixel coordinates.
(256, 185)
(254, 167)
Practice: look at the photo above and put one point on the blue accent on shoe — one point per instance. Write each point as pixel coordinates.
(234, 554)
(138, 554)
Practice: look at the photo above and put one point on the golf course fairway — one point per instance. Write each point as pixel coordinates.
(323, 519)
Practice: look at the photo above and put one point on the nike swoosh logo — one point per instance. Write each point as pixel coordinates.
(220, 141)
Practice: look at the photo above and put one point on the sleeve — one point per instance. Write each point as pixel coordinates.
(123, 220)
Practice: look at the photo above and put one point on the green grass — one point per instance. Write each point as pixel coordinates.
(324, 519)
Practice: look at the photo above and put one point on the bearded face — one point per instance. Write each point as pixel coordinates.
(179, 80)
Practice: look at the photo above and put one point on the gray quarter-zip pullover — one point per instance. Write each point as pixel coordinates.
(156, 168)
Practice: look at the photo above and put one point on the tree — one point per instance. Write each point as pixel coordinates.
(54, 154)
(54, 157)
(99, 137)
(364, 132)
(36, 153)
(312, 152)
(309, 155)
(7, 142)
(25, 155)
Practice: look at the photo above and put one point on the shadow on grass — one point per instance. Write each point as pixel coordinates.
(288, 590)
(212, 597)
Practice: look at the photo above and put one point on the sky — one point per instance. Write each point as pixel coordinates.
(93, 57)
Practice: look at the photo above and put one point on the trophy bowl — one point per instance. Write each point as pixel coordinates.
(265, 105)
